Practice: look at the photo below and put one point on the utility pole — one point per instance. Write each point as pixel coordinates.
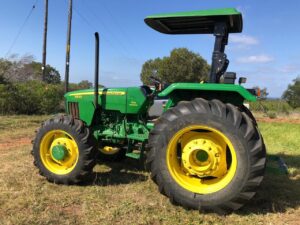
(45, 41)
(68, 46)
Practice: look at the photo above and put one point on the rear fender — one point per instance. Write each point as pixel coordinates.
(227, 93)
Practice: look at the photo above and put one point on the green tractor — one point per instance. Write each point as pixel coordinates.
(204, 152)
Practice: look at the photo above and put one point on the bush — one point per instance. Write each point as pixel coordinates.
(7, 99)
(272, 115)
(292, 94)
(279, 106)
(51, 99)
(32, 97)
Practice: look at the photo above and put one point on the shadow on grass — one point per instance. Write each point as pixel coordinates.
(123, 172)
(277, 193)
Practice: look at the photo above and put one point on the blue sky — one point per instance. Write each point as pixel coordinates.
(267, 52)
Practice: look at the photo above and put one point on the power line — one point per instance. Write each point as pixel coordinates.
(108, 29)
(93, 28)
(120, 28)
(21, 29)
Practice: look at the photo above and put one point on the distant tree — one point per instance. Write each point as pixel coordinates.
(85, 84)
(13, 69)
(52, 76)
(21, 69)
(181, 66)
(151, 68)
(292, 94)
(2, 79)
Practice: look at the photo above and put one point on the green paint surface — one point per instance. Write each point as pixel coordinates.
(212, 12)
(59, 152)
(196, 22)
(124, 100)
(202, 156)
(224, 88)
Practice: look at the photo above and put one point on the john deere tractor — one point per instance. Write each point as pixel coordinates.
(204, 152)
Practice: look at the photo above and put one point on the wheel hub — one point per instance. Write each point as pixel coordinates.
(202, 156)
(59, 152)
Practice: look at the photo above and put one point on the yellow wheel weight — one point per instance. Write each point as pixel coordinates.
(59, 152)
(202, 167)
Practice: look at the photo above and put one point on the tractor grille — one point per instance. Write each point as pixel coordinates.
(73, 109)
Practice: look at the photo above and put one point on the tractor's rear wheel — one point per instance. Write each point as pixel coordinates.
(206, 155)
(244, 109)
(64, 150)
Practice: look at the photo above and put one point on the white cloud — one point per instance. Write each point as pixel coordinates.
(256, 59)
(243, 40)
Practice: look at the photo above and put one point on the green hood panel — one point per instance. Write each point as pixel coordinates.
(110, 99)
(124, 100)
(196, 22)
(229, 88)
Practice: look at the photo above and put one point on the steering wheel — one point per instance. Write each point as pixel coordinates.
(156, 82)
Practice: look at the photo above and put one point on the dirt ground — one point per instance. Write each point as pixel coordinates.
(293, 118)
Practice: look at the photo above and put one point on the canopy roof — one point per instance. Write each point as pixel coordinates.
(196, 22)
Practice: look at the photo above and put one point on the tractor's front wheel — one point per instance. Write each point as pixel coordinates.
(64, 150)
(206, 155)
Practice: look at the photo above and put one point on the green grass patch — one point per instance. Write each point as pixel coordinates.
(281, 137)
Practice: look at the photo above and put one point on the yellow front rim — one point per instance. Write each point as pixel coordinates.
(201, 159)
(53, 139)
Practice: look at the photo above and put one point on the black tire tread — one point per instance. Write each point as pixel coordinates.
(88, 150)
(240, 120)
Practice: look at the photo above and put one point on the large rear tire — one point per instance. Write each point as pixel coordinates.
(206, 155)
(64, 150)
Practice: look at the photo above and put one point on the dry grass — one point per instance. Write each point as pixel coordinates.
(123, 194)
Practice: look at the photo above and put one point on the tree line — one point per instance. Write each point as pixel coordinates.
(184, 65)
(23, 91)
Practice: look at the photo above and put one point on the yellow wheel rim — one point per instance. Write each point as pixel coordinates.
(201, 159)
(59, 152)
(108, 150)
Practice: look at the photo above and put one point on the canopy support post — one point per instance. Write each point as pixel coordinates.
(219, 59)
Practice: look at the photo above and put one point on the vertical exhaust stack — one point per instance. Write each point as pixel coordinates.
(96, 78)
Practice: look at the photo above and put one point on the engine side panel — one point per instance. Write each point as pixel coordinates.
(122, 100)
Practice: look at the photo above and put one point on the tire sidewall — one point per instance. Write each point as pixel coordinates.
(69, 177)
(239, 143)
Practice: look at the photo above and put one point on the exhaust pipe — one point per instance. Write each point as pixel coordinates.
(96, 78)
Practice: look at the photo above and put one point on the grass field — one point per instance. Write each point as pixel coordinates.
(123, 194)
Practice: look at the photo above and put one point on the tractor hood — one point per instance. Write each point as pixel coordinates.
(131, 100)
